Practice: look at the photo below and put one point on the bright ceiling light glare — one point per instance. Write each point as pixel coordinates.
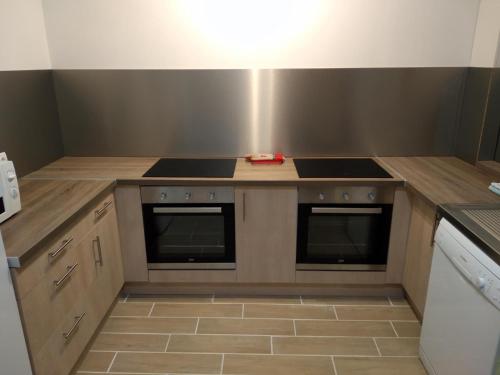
(249, 26)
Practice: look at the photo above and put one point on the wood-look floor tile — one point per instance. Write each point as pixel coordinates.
(288, 311)
(96, 361)
(407, 329)
(134, 342)
(324, 345)
(277, 365)
(257, 299)
(150, 325)
(343, 328)
(219, 344)
(132, 309)
(378, 366)
(344, 300)
(245, 326)
(375, 313)
(168, 363)
(398, 346)
(172, 298)
(198, 310)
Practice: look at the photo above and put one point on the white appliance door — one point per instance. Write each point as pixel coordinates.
(461, 328)
(14, 358)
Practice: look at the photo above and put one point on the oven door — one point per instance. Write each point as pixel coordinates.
(194, 236)
(343, 237)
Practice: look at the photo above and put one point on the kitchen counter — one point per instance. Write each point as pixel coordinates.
(128, 170)
(46, 206)
(441, 180)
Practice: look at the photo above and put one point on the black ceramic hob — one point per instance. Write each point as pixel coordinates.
(208, 168)
(339, 168)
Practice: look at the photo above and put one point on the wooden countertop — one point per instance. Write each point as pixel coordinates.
(127, 170)
(442, 179)
(46, 206)
(491, 167)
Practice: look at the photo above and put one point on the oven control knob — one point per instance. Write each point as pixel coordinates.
(211, 196)
(321, 196)
(371, 196)
(188, 196)
(346, 196)
(163, 196)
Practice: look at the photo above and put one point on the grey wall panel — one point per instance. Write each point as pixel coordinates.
(475, 98)
(29, 124)
(489, 149)
(393, 111)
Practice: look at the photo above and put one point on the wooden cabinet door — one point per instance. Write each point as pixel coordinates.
(107, 253)
(266, 234)
(419, 252)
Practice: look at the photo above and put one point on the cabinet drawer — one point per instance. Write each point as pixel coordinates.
(54, 254)
(60, 353)
(45, 305)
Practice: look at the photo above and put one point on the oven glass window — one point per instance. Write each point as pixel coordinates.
(183, 237)
(343, 238)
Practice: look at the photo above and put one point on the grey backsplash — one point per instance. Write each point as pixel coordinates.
(379, 111)
(29, 124)
(389, 111)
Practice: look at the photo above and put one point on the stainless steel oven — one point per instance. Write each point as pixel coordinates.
(344, 228)
(189, 227)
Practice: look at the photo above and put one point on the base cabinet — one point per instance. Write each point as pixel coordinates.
(419, 250)
(61, 313)
(266, 227)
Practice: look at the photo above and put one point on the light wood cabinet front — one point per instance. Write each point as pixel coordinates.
(419, 252)
(266, 233)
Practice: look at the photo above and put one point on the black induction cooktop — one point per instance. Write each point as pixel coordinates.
(339, 168)
(209, 168)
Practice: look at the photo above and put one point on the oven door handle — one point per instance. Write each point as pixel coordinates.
(187, 210)
(346, 210)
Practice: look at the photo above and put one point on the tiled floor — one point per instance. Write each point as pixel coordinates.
(257, 336)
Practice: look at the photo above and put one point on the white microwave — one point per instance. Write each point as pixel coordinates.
(10, 200)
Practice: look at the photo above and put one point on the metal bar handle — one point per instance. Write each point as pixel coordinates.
(244, 206)
(70, 333)
(346, 210)
(187, 210)
(61, 248)
(99, 250)
(100, 211)
(66, 276)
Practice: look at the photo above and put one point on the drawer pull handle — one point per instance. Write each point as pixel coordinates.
(99, 212)
(61, 248)
(78, 319)
(99, 250)
(66, 276)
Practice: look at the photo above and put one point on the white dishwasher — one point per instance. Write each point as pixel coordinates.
(461, 325)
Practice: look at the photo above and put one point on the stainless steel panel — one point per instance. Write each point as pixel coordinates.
(346, 194)
(340, 267)
(29, 123)
(349, 210)
(301, 112)
(187, 210)
(191, 266)
(187, 194)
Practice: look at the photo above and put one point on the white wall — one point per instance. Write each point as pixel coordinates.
(486, 41)
(167, 34)
(23, 41)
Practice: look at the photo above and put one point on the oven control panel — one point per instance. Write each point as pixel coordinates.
(347, 194)
(187, 194)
